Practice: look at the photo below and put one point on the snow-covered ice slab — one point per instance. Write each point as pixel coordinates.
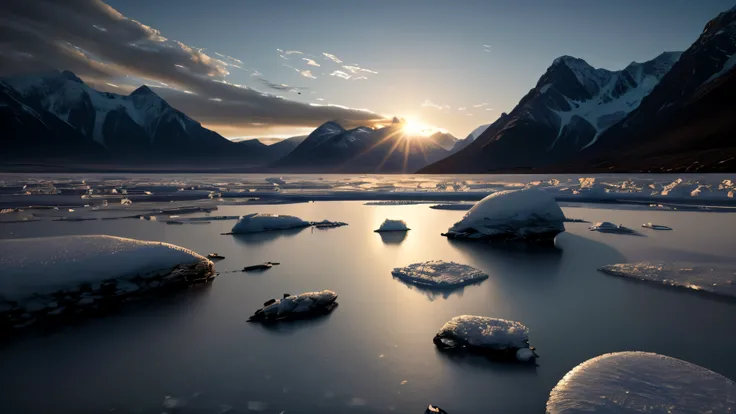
(55, 275)
(298, 306)
(608, 227)
(655, 226)
(641, 382)
(529, 214)
(258, 222)
(439, 274)
(716, 278)
(392, 225)
(505, 338)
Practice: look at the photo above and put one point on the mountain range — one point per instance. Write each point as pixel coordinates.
(672, 113)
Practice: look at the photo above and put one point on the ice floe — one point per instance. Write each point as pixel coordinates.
(641, 382)
(500, 337)
(259, 222)
(78, 273)
(296, 307)
(655, 226)
(529, 214)
(608, 227)
(392, 225)
(719, 279)
(439, 274)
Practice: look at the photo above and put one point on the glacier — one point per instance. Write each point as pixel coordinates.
(641, 382)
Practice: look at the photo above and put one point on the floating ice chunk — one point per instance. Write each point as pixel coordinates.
(257, 222)
(439, 274)
(500, 336)
(719, 279)
(126, 201)
(608, 227)
(298, 306)
(655, 226)
(392, 225)
(529, 214)
(641, 382)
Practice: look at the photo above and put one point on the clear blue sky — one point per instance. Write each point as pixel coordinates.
(423, 51)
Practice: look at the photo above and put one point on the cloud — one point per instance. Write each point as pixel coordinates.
(359, 78)
(486, 48)
(42, 35)
(489, 109)
(340, 74)
(277, 86)
(332, 57)
(320, 99)
(356, 69)
(480, 105)
(293, 52)
(429, 104)
(462, 108)
(307, 74)
(311, 62)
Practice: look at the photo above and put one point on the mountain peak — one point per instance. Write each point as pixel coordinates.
(570, 61)
(69, 75)
(142, 91)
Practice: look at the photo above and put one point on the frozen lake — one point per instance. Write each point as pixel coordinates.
(194, 352)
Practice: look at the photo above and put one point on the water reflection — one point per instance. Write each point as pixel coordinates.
(291, 326)
(393, 237)
(434, 293)
(265, 236)
(468, 359)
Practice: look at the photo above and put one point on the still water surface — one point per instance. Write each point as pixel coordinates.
(374, 353)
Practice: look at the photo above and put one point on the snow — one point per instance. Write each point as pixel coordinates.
(302, 303)
(512, 214)
(439, 274)
(477, 131)
(258, 222)
(608, 227)
(45, 265)
(719, 279)
(641, 382)
(727, 66)
(393, 225)
(485, 332)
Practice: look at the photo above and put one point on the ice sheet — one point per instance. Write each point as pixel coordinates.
(714, 278)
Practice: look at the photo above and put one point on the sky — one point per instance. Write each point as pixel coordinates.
(282, 67)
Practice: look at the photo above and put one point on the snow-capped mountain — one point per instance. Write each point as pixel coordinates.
(332, 148)
(462, 143)
(687, 122)
(568, 109)
(140, 125)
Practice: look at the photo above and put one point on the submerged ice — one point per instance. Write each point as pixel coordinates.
(439, 274)
(714, 278)
(529, 214)
(641, 382)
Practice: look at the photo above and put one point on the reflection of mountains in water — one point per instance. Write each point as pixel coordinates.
(437, 292)
(265, 236)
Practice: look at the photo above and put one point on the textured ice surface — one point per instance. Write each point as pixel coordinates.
(641, 382)
(485, 332)
(716, 278)
(608, 227)
(512, 214)
(257, 222)
(393, 225)
(439, 274)
(303, 303)
(48, 264)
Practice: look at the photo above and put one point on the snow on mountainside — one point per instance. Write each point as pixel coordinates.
(567, 110)
(462, 143)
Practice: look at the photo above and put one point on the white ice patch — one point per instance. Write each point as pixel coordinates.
(641, 382)
(439, 274)
(49, 264)
(301, 303)
(393, 225)
(485, 332)
(718, 279)
(257, 222)
(513, 213)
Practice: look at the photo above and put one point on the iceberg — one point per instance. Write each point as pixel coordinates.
(258, 222)
(655, 226)
(717, 278)
(392, 225)
(500, 337)
(608, 227)
(303, 305)
(49, 276)
(530, 214)
(641, 382)
(439, 274)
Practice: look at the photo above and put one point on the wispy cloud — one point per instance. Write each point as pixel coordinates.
(307, 74)
(486, 48)
(332, 57)
(36, 38)
(293, 52)
(462, 108)
(480, 105)
(340, 74)
(311, 62)
(359, 78)
(489, 109)
(429, 104)
(238, 61)
(356, 69)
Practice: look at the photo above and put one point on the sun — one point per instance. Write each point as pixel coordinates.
(414, 128)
